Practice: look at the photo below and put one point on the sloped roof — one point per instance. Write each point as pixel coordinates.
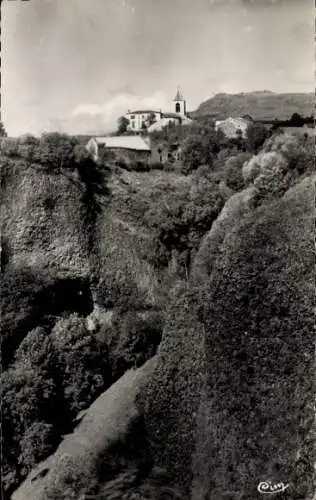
(179, 96)
(139, 111)
(125, 142)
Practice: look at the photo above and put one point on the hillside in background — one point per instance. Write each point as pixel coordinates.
(263, 105)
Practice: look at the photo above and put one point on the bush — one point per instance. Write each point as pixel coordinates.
(272, 181)
(82, 362)
(200, 147)
(27, 396)
(282, 163)
(232, 172)
(179, 225)
(21, 307)
(202, 172)
(118, 290)
(35, 444)
(65, 370)
(60, 151)
(132, 340)
(256, 135)
(36, 350)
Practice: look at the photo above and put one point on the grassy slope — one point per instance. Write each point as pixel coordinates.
(259, 105)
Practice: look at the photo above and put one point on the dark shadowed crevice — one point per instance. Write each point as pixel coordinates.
(66, 295)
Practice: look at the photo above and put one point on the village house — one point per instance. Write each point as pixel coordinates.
(125, 149)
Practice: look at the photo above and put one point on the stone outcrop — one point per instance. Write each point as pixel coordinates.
(42, 215)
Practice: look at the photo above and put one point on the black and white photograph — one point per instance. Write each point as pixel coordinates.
(157, 242)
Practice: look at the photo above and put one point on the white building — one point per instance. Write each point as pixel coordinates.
(151, 119)
(232, 127)
(140, 119)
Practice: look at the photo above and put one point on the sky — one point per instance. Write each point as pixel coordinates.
(77, 65)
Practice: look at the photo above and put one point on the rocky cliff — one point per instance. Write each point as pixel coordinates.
(43, 217)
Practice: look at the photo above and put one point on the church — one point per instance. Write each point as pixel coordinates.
(153, 120)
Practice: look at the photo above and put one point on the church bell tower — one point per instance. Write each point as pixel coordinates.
(179, 104)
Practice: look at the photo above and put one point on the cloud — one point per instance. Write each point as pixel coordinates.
(120, 103)
(102, 117)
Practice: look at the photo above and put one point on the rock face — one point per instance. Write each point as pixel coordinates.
(42, 218)
(45, 256)
(230, 402)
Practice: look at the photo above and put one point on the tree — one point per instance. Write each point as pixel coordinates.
(81, 362)
(256, 135)
(232, 171)
(151, 119)
(3, 132)
(296, 120)
(27, 396)
(123, 123)
(200, 149)
(179, 225)
(35, 444)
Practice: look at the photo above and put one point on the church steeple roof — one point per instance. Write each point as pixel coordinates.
(179, 96)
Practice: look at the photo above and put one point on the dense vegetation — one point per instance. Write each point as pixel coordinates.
(56, 353)
(245, 403)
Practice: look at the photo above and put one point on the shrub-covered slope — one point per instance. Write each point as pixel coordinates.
(252, 314)
(128, 275)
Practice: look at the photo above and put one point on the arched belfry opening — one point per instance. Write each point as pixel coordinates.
(179, 103)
